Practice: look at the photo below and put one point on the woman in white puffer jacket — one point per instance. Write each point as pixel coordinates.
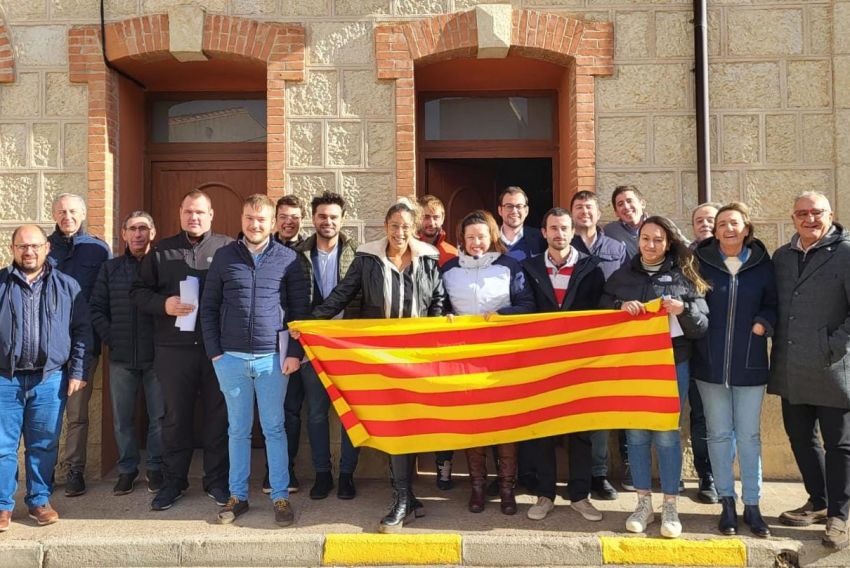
(483, 280)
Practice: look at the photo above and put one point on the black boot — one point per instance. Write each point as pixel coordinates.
(752, 516)
(418, 506)
(728, 524)
(323, 485)
(400, 512)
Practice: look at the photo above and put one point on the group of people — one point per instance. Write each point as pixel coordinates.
(230, 349)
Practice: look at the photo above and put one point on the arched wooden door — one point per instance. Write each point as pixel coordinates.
(228, 182)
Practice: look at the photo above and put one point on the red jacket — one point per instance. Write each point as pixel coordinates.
(447, 250)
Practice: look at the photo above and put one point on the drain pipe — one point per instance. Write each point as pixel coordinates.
(701, 83)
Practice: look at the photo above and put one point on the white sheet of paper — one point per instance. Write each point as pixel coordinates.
(675, 328)
(190, 291)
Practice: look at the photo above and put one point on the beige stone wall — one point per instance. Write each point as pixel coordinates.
(780, 109)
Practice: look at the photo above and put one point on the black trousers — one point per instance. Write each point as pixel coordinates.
(187, 375)
(401, 471)
(825, 467)
(581, 464)
(292, 415)
(699, 432)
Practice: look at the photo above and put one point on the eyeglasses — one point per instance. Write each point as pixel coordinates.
(806, 213)
(512, 207)
(25, 248)
(403, 228)
(288, 217)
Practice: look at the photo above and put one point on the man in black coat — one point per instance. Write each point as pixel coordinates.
(810, 363)
(563, 279)
(79, 255)
(180, 361)
(129, 334)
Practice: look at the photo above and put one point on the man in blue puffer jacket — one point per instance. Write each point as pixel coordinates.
(254, 287)
(44, 328)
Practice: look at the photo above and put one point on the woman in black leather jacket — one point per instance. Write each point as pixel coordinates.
(397, 277)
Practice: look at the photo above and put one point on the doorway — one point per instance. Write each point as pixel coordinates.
(464, 184)
(212, 142)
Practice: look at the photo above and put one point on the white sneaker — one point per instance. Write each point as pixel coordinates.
(586, 509)
(643, 515)
(670, 525)
(539, 510)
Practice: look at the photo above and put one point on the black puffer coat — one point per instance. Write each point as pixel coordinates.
(633, 282)
(123, 327)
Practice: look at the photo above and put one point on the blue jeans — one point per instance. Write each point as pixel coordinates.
(31, 404)
(733, 417)
(599, 453)
(240, 380)
(123, 385)
(668, 446)
(318, 429)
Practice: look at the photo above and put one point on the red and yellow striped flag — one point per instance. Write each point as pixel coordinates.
(420, 385)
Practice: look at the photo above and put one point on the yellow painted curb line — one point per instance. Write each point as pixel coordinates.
(382, 549)
(676, 552)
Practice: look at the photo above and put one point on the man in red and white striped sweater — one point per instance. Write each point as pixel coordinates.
(564, 279)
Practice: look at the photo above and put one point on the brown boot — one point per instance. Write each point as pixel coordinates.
(507, 477)
(476, 462)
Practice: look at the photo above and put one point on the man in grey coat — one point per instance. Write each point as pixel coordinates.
(811, 363)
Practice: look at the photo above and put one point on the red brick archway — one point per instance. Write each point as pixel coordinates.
(7, 54)
(585, 49)
(280, 47)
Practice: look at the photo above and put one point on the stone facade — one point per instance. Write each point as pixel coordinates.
(780, 109)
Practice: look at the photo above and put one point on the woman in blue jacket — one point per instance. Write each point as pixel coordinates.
(482, 279)
(731, 365)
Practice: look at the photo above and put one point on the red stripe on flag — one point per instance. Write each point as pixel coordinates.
(390, 397)
(504, 362)
(349, 420)
(449, 338)
(420, 426)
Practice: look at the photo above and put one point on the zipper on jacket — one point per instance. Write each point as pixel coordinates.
(253, 302)
(134, 331)
(730, 329)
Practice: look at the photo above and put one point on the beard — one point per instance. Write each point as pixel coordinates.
(256, 240)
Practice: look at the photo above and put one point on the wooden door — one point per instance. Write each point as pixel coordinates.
(227, 182)
(462, 187)
(228, 179)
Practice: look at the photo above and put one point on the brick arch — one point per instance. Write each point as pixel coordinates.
(7, 54)
(280, 47)
(584, 48)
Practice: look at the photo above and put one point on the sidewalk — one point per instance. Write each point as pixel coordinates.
(99, 529)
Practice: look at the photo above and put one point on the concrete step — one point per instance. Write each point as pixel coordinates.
(100, 530)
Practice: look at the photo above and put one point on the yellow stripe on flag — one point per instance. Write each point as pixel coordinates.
(416, 354)
(487, 379)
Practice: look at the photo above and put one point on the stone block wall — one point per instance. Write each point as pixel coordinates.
(780, 108)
